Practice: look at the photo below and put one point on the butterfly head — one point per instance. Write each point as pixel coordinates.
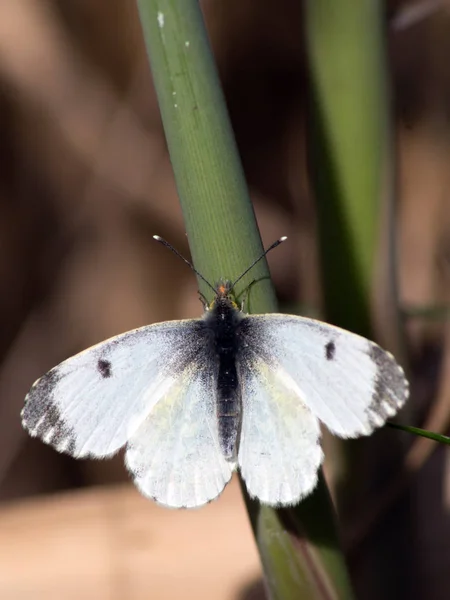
(224, 295)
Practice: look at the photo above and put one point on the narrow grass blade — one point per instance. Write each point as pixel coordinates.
(438, 437)
(352, 169)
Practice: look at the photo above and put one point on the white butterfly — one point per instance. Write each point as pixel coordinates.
(195, 400)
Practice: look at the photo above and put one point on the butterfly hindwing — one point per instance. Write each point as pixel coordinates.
(279, 450)
(175, 456)
(349, 383)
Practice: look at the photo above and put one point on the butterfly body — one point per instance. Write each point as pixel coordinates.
(223, 320)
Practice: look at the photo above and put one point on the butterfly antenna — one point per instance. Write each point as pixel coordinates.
(274, 245)
(167, 245)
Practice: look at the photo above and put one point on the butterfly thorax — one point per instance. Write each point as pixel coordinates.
(223, 319)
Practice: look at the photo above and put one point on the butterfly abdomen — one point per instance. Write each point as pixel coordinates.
(223, 320)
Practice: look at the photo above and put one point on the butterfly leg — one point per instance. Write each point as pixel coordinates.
(245, 295)
(204, 301)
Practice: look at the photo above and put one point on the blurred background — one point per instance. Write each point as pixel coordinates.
(85, 181)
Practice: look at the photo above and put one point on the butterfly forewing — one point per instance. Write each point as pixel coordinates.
(92, 403)
(349, 383)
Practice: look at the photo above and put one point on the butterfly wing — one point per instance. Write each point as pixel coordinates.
(92, 403)
(348, 382)
(295, 372)
(279, 452)
(153, 389)
(175, 456)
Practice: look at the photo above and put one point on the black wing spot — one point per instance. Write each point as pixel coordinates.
(330, 350)
(104, 366)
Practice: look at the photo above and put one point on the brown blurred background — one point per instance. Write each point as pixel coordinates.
(85, 180)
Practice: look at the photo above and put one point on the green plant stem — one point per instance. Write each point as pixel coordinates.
(212, 189)
(224, 240)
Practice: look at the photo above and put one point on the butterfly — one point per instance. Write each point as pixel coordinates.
(194, 400)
